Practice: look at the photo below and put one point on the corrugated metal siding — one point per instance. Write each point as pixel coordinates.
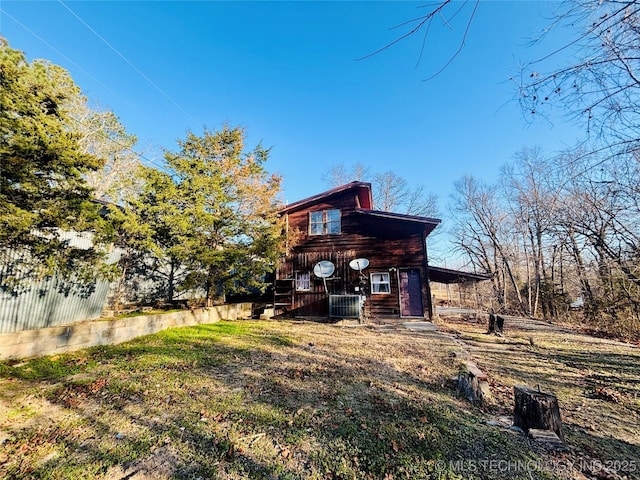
(53, 301)
(50, 303)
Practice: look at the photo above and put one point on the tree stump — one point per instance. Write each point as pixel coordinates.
(492, 323)
(496, 324)
(474, 384)
(536, 410)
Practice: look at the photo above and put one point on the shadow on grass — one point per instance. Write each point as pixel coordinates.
(236, 400)
(597, 383)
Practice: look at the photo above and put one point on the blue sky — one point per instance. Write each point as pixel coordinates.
(287, 72)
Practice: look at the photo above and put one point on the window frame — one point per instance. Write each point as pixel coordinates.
(377, 284)
(325, 222)
(300, 279)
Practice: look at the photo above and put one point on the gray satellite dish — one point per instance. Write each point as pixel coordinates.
(359, 264)
(324, 269)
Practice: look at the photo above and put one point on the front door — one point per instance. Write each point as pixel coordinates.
(411, 294)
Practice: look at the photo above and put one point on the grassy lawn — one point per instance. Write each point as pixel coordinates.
(281, 400)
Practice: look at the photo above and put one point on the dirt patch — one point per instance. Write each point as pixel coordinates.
(161, 464)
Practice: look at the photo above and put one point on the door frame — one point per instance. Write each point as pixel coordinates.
(420, 281)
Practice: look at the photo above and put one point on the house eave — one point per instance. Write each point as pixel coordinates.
(429, 223)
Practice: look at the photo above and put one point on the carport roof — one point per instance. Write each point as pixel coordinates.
(447, 275)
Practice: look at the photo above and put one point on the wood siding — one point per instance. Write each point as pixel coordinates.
(389, 245)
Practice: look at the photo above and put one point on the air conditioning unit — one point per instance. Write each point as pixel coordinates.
(344, 306)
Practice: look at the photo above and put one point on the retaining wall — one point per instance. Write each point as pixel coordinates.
(47, 341)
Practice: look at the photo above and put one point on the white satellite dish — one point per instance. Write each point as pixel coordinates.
(324, 269)
(359, 264)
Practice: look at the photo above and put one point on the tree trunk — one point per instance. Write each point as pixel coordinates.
(536, 409)
(170, 281)
(581, 270)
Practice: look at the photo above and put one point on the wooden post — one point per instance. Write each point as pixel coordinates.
(536, 410)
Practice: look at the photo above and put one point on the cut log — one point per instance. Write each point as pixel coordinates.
(536, 410)
(474, 384)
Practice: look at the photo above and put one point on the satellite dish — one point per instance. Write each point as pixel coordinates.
(359, 264)
(324, 269)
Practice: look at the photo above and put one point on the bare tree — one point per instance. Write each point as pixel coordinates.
(531, 198)
(604, 221)
(391, 192)
(422, 203)
(599, 83)
(594, 76)
(554, 229)
(484, 232)
(101, 134)
(339, 174)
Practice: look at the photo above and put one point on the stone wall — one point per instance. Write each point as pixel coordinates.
(47, 341)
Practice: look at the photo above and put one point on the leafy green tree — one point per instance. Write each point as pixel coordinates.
(151, 231)
(43, 192)
(212, 224)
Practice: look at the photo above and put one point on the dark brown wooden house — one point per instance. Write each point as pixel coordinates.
(340, 226)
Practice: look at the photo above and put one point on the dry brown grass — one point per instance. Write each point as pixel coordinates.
(292, 400)
(596, 380)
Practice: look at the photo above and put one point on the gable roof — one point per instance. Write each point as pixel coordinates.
(361, 189)
(365, 204)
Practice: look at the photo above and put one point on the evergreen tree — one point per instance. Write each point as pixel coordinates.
(212, 224)
(43, 192)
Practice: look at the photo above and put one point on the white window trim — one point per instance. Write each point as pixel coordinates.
(307, 280)
(387, 282)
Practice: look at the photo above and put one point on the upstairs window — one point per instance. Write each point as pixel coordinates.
(324, 222)
(380, 283)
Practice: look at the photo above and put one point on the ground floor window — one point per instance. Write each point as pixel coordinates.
(380, 282)
(303, 281)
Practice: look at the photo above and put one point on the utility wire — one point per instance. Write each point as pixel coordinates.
(140, 155)
(128, 62)
(4, 12)
(106, 137)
